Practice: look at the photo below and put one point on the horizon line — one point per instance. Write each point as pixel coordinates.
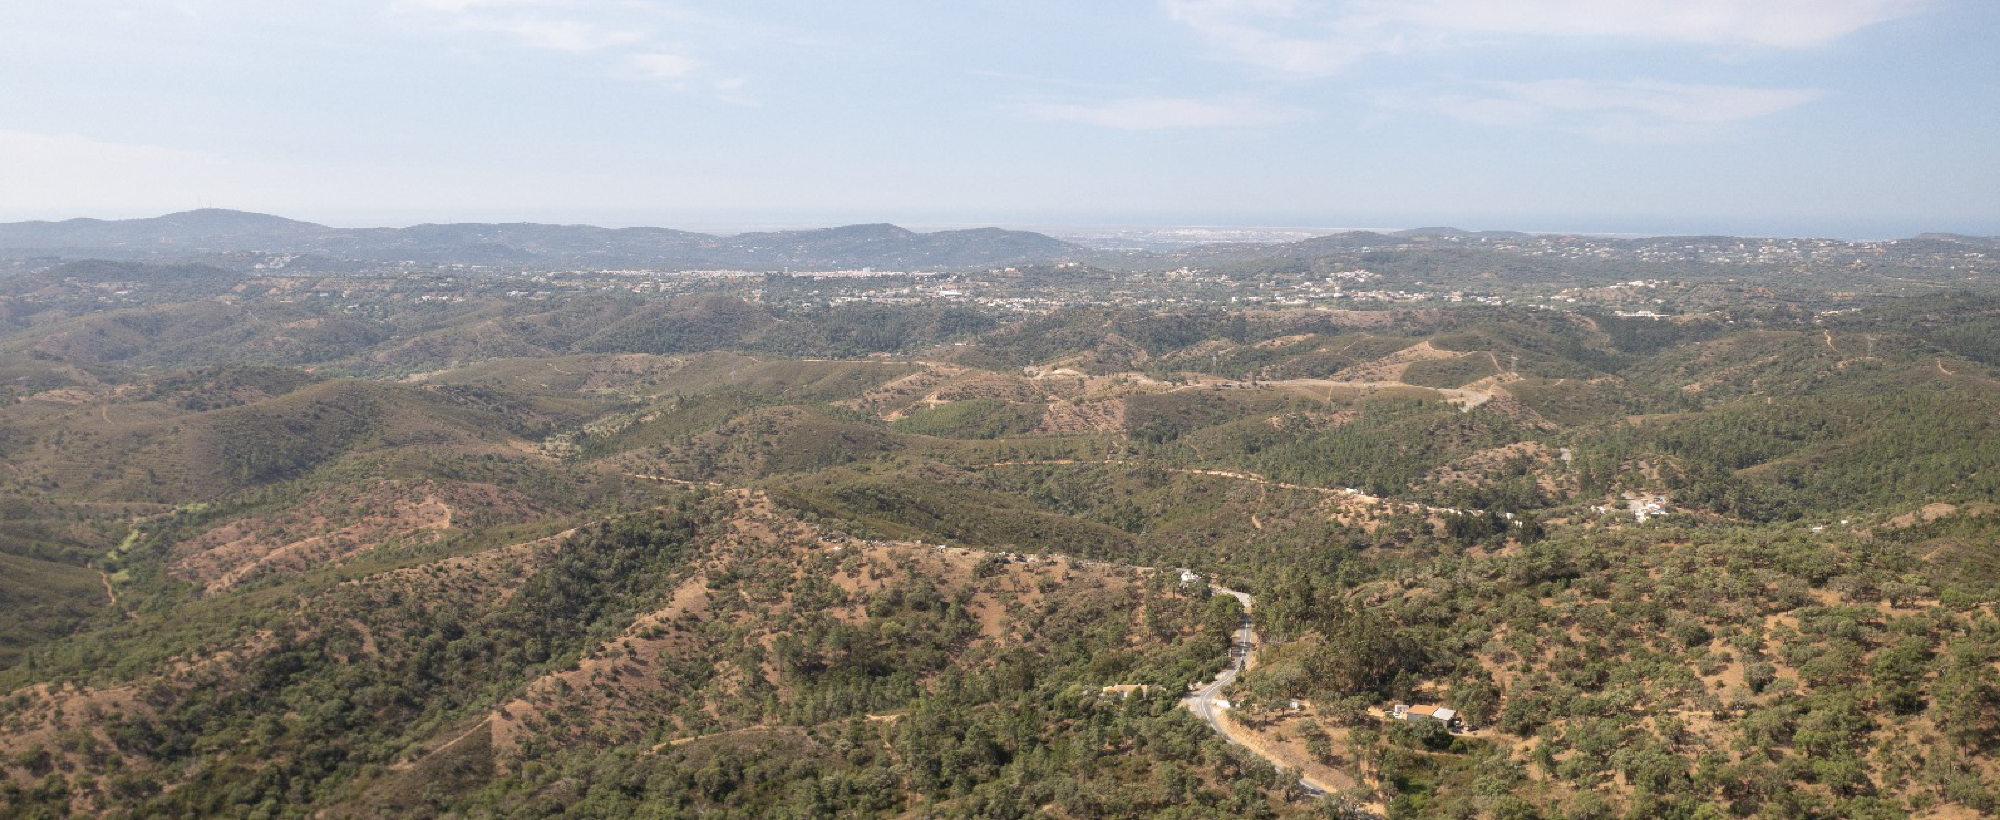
(716, 222)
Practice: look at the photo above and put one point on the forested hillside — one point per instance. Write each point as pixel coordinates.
(723, 555)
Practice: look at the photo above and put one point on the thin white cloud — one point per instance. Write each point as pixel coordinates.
(559, 34)
(625, 39)
(1285, 36)
(1044, 80)
(1164, 113)
(1312, 38)
(664, 66)
(1618, 111)
(1679, 102)
(462, 6)
(1772, 23)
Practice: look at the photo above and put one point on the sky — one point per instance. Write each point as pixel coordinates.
(1850, 118)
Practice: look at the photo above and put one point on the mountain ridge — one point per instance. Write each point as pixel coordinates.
(219, 230)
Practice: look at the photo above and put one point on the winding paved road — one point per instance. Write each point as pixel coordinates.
(1203, 701)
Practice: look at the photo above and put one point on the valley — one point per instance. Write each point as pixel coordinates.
(751, 546)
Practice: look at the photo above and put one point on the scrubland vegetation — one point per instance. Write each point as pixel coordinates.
(707, 558)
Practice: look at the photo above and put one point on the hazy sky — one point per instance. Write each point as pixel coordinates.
(1824, 117)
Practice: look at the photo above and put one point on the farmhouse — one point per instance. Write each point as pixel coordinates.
(1441, 714)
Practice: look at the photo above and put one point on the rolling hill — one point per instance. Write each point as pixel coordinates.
(701, 555)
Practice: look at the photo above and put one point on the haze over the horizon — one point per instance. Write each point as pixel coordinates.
(1777, 117)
